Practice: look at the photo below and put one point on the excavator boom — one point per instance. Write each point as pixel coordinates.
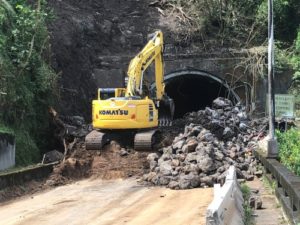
(151, 52)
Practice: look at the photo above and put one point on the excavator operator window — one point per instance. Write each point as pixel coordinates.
(106, 93)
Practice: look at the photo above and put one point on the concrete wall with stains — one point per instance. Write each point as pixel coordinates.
(7, 151)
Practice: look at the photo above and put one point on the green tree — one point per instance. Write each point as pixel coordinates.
(27, 82)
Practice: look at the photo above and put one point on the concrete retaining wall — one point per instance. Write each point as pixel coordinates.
(227, 205)
(7, 151)
(22, 176)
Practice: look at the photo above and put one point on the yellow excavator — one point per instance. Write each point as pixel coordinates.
(135, 109)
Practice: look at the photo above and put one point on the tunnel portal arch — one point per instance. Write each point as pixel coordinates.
(193, 90)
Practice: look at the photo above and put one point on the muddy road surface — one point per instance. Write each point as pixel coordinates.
(108, 202)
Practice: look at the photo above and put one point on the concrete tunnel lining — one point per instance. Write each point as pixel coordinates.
(193, 90)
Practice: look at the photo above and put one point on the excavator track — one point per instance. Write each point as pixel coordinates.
(145, 140)
(95, 140)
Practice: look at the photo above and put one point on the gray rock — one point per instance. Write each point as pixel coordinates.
(243, 166)
(153, 165)
(209, 151)
(191, 145)
(242, 116)
(165, 168)
(164, 180)
(241, 159)
(228, 133)
(191, 157)
(258, 173)
(200, 149)
(255, 202)
(258, 202)
(164, 157)
(215, 114)
(167, 150)
(173, 185)
(175, 163)
(229, 160)
(175, 173)
(239, 174)
(53, 156)
(155, 180)
(233, 154)
(243, 126)
(208, 137)
(207, 181)
(205, 164)
(219, 155)
(184, 183)
(191, 168)
(149, 176)
(247, 176)
(179, 138)
(123, 152)
(221, 103)
(221, 169)
(152, 157)
(235, 110)
(178, 145)
(195, 180)
(195, 131)
(181, 157)
(218, 164)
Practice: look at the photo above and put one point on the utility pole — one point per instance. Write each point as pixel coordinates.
(272, 151)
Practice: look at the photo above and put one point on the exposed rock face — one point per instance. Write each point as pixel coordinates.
(96, 39)
(200, 156)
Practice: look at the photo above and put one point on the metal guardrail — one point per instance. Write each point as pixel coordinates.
(24, 175)
(287, 188)
(227, 205)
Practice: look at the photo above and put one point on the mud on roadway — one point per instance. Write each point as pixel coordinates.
(107, 164)
(96, 201)
(80, 164)
(103, 187)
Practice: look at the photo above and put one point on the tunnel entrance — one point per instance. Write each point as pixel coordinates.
(193, 90)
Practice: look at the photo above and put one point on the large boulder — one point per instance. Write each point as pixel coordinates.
(165, 168)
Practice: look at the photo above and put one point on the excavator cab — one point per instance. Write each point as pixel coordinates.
(107, 93)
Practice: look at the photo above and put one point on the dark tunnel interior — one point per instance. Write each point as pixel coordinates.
(193, 92)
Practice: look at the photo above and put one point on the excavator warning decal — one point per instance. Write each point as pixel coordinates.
(151, 114)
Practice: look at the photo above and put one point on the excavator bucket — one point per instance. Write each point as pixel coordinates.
(166, 112)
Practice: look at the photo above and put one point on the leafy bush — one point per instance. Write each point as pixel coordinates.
(295, 62)
(289, 149)
(238, 22)
(27, 82)
(27, 149)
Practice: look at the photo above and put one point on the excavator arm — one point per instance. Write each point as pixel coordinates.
(151, 52)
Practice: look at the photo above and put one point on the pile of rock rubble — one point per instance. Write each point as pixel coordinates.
(213, 139)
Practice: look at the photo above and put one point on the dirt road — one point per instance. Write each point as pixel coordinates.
(108, 203)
